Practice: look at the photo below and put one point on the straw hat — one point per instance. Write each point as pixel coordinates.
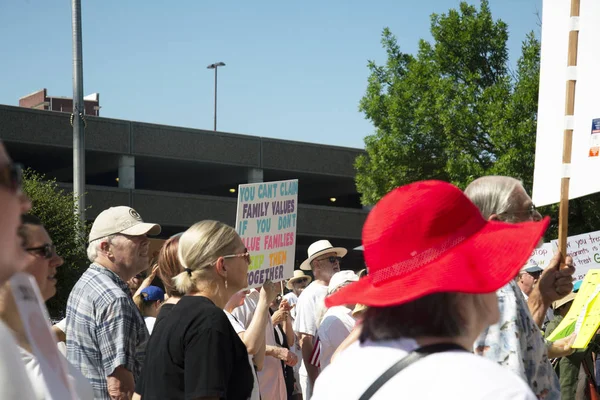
(564, 300)
(297, 275)
(319, 248)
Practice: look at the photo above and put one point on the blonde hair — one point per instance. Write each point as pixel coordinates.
(199, 247)
(142, 305)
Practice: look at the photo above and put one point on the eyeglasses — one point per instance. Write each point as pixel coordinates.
(47, 251)
(11, 177)
(332, 259)
(301, 281)
(532, 211)
(535, 275)
(245, 255)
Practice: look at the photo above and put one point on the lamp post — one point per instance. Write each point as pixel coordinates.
(215, 66)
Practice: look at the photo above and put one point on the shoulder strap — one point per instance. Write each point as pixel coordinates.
(411, 358)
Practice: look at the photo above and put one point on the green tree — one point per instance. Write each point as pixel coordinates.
(453, 111)
(56, 209)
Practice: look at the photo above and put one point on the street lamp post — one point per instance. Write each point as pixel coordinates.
(215, 66)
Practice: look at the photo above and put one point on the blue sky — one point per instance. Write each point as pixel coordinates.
(295, 70)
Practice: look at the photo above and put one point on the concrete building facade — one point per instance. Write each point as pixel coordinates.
(177, 176)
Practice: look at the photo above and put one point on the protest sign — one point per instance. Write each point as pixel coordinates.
(583, 318)
(585, 251)
(551, 120)
(541, 256)
(41, 338)
(266, 222)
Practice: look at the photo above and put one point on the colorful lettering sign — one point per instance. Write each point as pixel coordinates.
(585, 250)
(266, 221)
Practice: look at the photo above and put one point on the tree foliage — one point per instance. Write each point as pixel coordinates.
(454, 111)
(56, 209)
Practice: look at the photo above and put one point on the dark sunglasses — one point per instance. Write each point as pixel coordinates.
(47, 251)
(535, 275)
(332, 259)
(11, 177)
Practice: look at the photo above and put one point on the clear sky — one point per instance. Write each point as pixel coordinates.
(295, 69)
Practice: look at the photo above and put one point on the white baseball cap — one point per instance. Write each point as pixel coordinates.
(339, 278)
(121, 219)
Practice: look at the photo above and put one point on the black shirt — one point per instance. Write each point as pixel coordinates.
(194, 352)
(165, 309)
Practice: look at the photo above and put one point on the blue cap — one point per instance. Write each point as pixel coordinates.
(576, 286)
(153, 293)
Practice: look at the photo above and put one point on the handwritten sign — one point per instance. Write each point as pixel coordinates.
(583, 317)
(585, 250)
(542, 255)
(39, 333)
(266, 221)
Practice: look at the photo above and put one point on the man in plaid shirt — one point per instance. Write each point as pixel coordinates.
(106, 334)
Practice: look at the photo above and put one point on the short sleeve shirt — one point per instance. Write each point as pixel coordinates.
(335, 327)
(105, 329)
(309, 302)
(516, 343)
(194, 352)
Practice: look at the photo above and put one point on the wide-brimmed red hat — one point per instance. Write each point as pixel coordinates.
(428, 237)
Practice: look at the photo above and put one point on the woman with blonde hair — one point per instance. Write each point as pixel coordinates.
(194, 352)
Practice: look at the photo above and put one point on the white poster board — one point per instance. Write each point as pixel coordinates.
(36, 321)
(585, 160)
(585, 250)
(542, 255)
(266, 221)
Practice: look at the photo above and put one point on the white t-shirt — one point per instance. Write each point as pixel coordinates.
(150, 321)
(14, 382)
(239, 328)
(452, 375)
(270, 379)
(335, 327)
(292, 300)
(310, 301)
(82, 386)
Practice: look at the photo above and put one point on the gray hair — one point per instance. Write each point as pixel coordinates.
(94, 246)
(493, 194)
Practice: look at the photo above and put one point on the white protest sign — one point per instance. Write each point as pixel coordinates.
(266, 221)
(585, 250)
(542, 255)
(39, 333)
(551, 121)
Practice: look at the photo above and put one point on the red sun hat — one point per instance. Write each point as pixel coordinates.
(428, 237)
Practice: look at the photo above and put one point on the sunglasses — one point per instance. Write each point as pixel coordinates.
(11, 177)
(245, 255)
(47, 251)
(332, 259)
(535, 275)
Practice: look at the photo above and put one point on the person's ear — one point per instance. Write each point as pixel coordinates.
(494, 217)
(220, 267)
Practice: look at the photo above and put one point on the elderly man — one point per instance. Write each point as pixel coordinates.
(106, 334)
(515, 342)
(324, 261)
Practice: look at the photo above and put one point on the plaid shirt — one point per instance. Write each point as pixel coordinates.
(104, 328)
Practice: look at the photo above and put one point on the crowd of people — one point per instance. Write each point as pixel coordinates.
(447, 307)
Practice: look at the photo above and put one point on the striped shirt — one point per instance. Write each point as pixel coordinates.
(105, 330)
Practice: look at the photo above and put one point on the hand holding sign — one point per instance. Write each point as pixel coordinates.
(555, 283)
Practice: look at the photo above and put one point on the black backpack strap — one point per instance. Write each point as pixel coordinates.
(411, 358)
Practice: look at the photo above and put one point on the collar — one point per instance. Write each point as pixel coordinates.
(113, 277)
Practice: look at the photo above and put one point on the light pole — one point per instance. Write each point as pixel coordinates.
(215, 66)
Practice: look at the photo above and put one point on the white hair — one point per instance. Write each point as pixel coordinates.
(493, 194)
(94, 246)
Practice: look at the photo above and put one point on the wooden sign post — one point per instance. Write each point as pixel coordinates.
(563, 215)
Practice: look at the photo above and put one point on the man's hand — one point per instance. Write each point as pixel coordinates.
(268, 292)
(556, 283)
(120, 384)
(287, 356)
(562, 347)
(279, 316)
(285, 305)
